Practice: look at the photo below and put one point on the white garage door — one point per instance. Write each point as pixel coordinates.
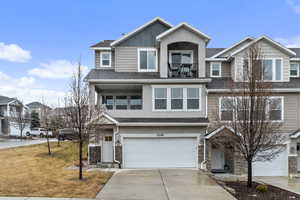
(160, 152)
(276, 167)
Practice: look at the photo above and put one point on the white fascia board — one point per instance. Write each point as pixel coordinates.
(277, 90)
(218, 131)
(206, 80)
(140, 28)
(295, 135)
(163, 124)
(234, 45)
(268, 39)
(101, 48)
(295, 59)
(181, 25)
(216, 59)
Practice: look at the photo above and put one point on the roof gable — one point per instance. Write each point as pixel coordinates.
(269, 40)
(186, 26)
(103, 119)
(236, 46)
(141, 28)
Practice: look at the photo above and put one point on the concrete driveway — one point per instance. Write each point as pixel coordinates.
(290, 184)
(163, 184)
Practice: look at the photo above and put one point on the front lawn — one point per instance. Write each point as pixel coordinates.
(30, 171)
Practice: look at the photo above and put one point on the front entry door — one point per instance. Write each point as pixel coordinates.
(107, 151)
(217, 158)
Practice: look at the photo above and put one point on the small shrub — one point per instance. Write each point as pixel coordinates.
(262, 188)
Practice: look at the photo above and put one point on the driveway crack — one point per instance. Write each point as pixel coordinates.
(164, 184)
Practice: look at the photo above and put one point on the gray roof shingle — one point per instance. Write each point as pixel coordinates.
(110, 74)
(162, 120)
(297, 51)
(104, 43)
(213, 51)
(227, 83)
(5, 100)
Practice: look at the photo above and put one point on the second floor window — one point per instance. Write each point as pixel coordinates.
(176, 99)
(147, 60)
(105, 59)
(238, 109)
(215, 69)
(272, 69)
(294, 70)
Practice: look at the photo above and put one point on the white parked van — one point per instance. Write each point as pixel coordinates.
(39, 132)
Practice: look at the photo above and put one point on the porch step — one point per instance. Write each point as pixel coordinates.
(218, 171)
(107, 165)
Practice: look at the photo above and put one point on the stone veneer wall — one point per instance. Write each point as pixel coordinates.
(94, 155)
(293, 165)
(240, 165)
(200, 154)
(118, 155)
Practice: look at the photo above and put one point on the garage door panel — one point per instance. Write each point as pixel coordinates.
(276, 167)
(159, 152)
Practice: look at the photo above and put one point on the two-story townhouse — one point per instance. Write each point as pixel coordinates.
(9, 107)
(162, 87)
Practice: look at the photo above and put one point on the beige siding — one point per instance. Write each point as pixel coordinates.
(228, 53)
(291, 110)
(126, 59)
(268, 51)
(225, 69)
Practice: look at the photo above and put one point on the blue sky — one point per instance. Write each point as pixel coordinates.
(41, 40)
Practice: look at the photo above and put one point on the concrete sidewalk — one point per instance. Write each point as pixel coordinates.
(12, 143)
(39, 198)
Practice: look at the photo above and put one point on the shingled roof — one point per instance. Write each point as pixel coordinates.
(5, 100)
(104, 43)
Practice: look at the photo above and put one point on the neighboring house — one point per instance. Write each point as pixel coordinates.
(157, 116)
(9, 107)
(37, 107)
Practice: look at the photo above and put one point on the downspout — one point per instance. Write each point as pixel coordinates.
(117, 131)
(203, 163)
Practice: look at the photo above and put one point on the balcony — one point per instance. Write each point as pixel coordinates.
(182, 70)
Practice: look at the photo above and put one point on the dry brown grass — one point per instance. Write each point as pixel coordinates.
(30, 171)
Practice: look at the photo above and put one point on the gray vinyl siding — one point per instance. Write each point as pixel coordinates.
(268, 51)
(146, 37)
(291, 110)
(147, 107)
(225, 69)
(97, 58)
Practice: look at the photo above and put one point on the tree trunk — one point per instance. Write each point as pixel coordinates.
(21, 134)
(80, 158)
(49, 150)
(249, 183)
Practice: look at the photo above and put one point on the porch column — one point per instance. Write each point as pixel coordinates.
(92, 95)
(201, 59)
(163, 64)
(99, 99)
(208, 154)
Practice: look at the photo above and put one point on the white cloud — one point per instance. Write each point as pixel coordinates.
(13, 53)
(26, 89)
(295, 8)
(290, 42)
(56, 69)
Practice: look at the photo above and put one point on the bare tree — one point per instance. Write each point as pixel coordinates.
(77, 112)
(46, 122)
(253, 113)
(20, 118)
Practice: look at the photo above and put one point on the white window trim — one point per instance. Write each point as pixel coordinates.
(105, 52)
(169, 99)
(211, 69)
(181, 51)
(268, 108)
(138, 60)
(298, 68)
(273, 70)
